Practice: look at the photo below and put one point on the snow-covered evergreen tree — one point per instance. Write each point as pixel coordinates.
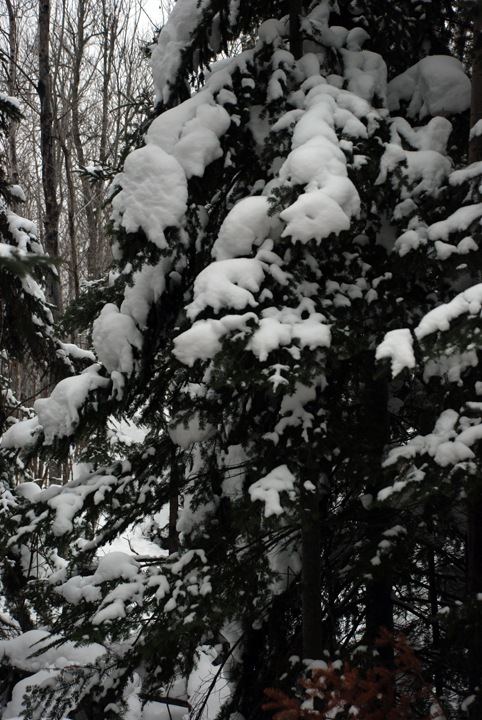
(26, 323)
(26, 336)
(286, 317)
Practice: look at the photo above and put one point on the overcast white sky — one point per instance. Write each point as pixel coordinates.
(152, 13)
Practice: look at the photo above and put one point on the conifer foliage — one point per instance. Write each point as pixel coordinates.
(292, 318)
(25, 318)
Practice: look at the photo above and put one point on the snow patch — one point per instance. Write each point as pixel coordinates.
(268, 489)
(114, 335)
(398, 346)
(469, 301)
(247, 224)
(59, 414)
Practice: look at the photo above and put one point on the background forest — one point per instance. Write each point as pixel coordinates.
(99, 93)
(240, 330)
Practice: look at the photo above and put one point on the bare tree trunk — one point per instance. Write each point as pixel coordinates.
(296, 38)
(173, 535)
(52, 208)
(110, 28)
(37, 184)
(89, 68)
(474, 502)
(311, 575)
(79, 48)
(433, 597)
(474, 545)
(12, 89)
(49, 173)
(74, 285)
(474, 588)
(475, 146)
(378, 602)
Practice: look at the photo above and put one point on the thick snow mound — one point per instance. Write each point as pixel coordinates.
(148, 284)
(459, 221)
(432, 136)
(268, 489)
(436, 85)
(203, 340)
(398, 346)
(59, 414)
(153, 195)
(366, 73)
(114, 335)
(173, 38)
(190, 131)
(314, 216)
(22, 434)
(199, 143)
(278, 328)
(439, 319)
(425, 170)
(226, 284)
(450, 443)
(247, 224)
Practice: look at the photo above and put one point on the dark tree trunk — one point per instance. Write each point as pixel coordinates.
(296, 39)
(12, 89)
(311, 575)
(474, 587)
(173, 535)
(74, 283)
(49, 180)
(378, 600)
(475, 146)
(474, 503)
(79, 148)
(474, 545)
(174, 484)
(433, 597)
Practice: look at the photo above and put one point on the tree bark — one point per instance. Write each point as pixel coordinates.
(173, 535)
(474, 545)
(174, 483)
(311, 575)
(296, 38)
(49, 180)
(474, 502)
(433, 597)
(12, 89)
(378, 601)
(74, 284)
(475, 145)
(79, 48)
(474, 587)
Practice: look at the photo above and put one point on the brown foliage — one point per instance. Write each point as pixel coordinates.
(377, 693)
